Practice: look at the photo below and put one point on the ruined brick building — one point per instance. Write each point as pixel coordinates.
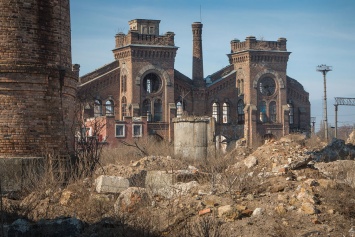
(140, 92)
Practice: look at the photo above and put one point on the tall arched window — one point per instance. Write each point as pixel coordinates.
(109, 108)
(215, 111)
(262, 110)
(225, 113)
(238, 87)
(124, 107)
(241, 87)
(158, 110)
(272, 111)
(97, 108)
(124, 83)
(179, 109)
(240, 110)
(147, 109)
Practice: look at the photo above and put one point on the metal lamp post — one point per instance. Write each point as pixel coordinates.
(324, 69)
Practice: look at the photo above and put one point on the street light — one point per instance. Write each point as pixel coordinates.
(324, 69)
(313, 121)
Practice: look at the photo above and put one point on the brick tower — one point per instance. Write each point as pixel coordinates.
(262, 65)
(146, 60)
(37, 84)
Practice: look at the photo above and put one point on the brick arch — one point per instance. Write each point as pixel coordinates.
(272, 72)
(165, 76)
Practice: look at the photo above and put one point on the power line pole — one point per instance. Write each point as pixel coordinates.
(324, 69)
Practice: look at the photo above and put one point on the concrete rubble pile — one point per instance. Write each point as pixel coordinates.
(280, 182)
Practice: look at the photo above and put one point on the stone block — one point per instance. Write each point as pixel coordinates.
(250, 161)
(111, 184)
(158, 180)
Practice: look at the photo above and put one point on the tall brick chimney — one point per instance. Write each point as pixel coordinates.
(197, 59)
(37, 84)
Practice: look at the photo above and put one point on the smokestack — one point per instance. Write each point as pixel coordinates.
(197, 59)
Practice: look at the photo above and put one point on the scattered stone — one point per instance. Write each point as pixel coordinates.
(299, 163)
(224, 209)
(308, 208)
(258, 211)
(66, 197)
(111, 184)
(131, 199)
(311, 182)
(331, 211)
(280, 209)
(241, 207)
(205, 211)
(250, 197)
(316, 221)
(250, 161)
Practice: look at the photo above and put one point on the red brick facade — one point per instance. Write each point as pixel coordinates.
(252, 97)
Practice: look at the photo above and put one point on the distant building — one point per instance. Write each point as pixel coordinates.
(140, 92)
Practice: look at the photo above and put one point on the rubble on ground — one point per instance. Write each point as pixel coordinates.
(283, 188)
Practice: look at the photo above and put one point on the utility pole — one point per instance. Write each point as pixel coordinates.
(324, 69)
(313, 121)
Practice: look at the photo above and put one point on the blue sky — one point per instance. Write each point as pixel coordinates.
(317, 32)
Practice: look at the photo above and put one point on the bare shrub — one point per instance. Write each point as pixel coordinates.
(207, 226)
(127, 152)
(339, 198)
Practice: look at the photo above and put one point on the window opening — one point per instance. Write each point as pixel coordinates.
(97, 108)
(240, 110)
(215, 111)
(120, 130)
(157, 110)
(272, 111)
(225, 112)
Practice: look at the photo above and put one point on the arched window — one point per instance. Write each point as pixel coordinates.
(262, 110)
(124, 107)
(241, 87)
(238, 87)
(97, 108)
(124, 83)
(225, 113)
(215, 111)
(109, 108)
(179, 109)
(158, 110)
(147, 109)
(240, 110)
(272, 111)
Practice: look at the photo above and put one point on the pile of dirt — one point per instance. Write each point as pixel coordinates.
(280, 189)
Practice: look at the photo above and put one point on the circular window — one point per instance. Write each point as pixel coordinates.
(151, 83)
(267, 86)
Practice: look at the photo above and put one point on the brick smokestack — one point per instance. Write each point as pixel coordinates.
(197, 59)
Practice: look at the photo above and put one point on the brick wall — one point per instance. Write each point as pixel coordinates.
(37, 85)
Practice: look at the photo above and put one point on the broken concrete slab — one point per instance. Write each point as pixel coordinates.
(111, 184)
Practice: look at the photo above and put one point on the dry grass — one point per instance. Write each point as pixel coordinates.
(133, 151)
